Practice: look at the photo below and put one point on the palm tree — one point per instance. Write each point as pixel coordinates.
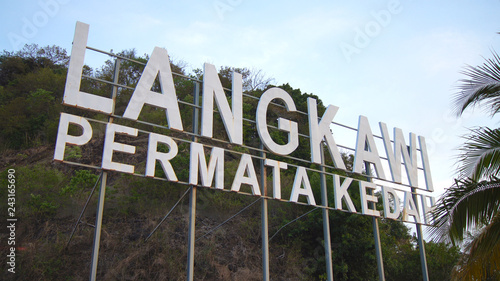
(483, 85)
(469, 211)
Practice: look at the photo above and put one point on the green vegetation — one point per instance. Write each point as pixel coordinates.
(51, 195)
(468, 214)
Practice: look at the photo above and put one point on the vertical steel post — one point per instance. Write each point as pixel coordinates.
(98, 226)
(191, 236)
(102, 190)
(421, 246)
(376, 237)
(378, 249)
(192, 195)
(326, 220)
(264, 218)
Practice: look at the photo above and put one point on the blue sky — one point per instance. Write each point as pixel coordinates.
(396, 62)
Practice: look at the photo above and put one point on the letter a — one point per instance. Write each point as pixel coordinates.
(302, 179)
(158, 63)
(366, 150)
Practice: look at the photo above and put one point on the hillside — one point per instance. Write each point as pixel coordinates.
(50, 196)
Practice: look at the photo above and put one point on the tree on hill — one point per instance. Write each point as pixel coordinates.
(31, 81)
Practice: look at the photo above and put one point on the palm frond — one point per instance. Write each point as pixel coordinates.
(465, 205)
(481, 260)
(483, 85)
(480, 157)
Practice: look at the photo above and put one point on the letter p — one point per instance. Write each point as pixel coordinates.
(62, 134)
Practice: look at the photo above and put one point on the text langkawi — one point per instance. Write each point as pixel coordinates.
(211, 173)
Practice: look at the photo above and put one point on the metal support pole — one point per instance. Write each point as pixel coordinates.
(83, 210)
(98, 226)
(165, 217)
(326, 221)
(102, 190)
(191, 234)
(378, 249)
(264, 218)
(421, 245)
(192, 195)
(376, 237)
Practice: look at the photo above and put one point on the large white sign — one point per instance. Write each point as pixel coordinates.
(211, 174)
